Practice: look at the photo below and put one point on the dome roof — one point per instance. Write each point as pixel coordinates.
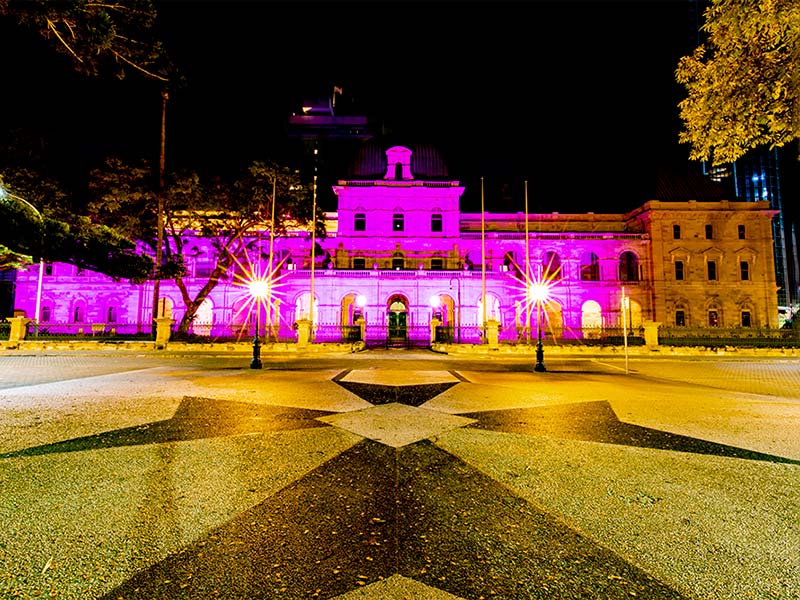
(371, 161)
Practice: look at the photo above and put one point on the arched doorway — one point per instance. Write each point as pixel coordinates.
(397, 334)
(591, 319)
(203, 319)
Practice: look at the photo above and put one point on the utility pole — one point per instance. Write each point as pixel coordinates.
(160, 210)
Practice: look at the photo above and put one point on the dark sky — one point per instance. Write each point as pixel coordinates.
(576, 98)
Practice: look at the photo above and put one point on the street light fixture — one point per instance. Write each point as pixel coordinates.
(538, 292)
(259, 289)
(38, 308)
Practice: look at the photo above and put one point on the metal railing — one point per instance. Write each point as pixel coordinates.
(419, 336)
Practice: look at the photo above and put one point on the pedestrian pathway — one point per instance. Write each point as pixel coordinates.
(345, 477)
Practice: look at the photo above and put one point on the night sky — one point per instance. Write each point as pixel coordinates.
(576, 98)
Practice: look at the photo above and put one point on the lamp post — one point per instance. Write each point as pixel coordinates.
(38, 307)
(259, 288)
(538, 293)
(458, 307)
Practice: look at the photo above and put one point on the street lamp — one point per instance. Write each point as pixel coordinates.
(538, 293)
(259, 288)
(37, 310)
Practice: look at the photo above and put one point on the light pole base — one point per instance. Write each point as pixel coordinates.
(255, 363)
(539, 366)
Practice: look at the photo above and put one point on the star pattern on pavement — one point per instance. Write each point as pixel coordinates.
(394, 505)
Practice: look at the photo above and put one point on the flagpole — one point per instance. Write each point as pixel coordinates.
(270, 274)
(313, 243)
(483, 265)
(527, 271)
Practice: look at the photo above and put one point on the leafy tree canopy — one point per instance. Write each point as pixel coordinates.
(225, 213)
(743, 83)
(114, 36)
(28, 233)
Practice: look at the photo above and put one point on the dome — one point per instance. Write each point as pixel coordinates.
(371, 161)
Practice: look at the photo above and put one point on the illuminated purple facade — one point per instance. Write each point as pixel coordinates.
(400, 253)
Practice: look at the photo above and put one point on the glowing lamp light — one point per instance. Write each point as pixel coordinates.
(435, 302)
(361, 300)
(259, 288)
(538, 292)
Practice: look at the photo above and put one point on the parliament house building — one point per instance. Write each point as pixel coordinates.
(401, 263)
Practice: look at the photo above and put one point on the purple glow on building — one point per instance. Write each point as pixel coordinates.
(398, 240)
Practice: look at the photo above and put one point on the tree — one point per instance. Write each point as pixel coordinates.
(98, 38)
(743, 83)
(113, 36)
(28, 235)
(226, 214)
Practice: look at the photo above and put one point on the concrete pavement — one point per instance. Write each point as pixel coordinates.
(398, 474)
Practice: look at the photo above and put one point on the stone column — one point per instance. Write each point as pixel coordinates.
(651, 333)
(363, 325)
(492, 332)
(303, 332)
(434, 324)
(19, 328)
(163, 331)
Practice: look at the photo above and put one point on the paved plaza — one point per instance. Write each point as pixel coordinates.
(398, 475)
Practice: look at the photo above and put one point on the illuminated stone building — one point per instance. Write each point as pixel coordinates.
(399, 253)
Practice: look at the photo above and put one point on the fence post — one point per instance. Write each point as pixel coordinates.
(19, 328)
(651, 333)
(362, 324)
(303, 332)
(492, 333)
(434, 324)
(163, 331)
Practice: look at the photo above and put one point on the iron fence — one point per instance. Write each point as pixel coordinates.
(419, 336)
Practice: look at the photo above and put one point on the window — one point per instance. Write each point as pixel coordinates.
(709, 232)
(741, 232)
(112, 314)
(628, 267)
(744, 270)
(203, 268)
(676, 232)
(47, 314)
(397, 262)
(48, 268)
(77, 315)
(680, 318)
(437, 264)
(713, 318)
(745, 318)
(551, 266)
(359, 262)
(679, 270)
(590, 267)
(436, 222)
(360, 222)
(398, 222)
(712, 270)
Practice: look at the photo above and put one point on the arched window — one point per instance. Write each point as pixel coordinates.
(591, 319)
(111, 316)
(590, 267)
(47, 314)
(551, 266)
(398, 261)
(628, 267)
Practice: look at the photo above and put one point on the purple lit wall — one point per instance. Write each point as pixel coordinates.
(401, 242)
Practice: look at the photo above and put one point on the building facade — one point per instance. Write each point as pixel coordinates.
(400, 255)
